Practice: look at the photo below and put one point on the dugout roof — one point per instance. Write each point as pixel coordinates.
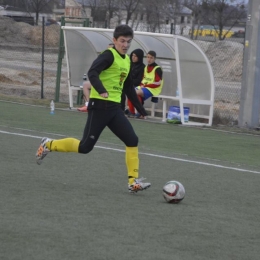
(183, 63)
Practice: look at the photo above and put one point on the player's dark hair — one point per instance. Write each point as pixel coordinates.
(152, 53)
(123, 30)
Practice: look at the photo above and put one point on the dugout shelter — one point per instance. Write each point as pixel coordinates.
(185, 67)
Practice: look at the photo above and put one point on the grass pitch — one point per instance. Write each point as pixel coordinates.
(77, 206)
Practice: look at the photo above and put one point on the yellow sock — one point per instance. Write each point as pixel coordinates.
(132, 163)
(64, 145)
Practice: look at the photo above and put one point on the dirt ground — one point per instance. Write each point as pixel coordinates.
(21, 59)
(226, 59)
(23, 33)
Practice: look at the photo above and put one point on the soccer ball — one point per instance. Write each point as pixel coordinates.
(173, 192)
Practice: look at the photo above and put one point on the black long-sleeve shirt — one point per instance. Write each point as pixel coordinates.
(103, 62)
(137, 73)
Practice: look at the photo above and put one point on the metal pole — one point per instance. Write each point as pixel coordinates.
(171, 28)
(250, 90)
(42, 74)
(59, 65)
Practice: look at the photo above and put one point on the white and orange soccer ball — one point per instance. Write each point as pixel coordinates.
(173, 192)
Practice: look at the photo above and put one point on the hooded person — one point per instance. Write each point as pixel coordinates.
(137, 70)
(151, 85)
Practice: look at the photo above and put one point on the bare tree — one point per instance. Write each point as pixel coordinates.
(196, 7)
(223, 13)
(157, 14)
(38, 6)
(171, 9)
(110, 7)
(98, 11)
(131, 7)
(154, 15)
(11, 3)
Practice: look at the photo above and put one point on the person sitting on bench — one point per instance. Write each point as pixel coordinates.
(151, 84)
(137, 72)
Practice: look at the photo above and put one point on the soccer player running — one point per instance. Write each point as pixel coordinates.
(109, 75)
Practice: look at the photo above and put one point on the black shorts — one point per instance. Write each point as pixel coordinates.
(115, 120)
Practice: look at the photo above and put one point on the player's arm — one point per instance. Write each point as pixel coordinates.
(102, 62)
(132, 96)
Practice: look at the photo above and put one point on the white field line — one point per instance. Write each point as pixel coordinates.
(148, 154)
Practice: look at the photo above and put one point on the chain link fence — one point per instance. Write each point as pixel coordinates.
(226, 58)
(30, 71)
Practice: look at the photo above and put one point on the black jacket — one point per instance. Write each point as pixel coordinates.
(137, 69)
(103, 62)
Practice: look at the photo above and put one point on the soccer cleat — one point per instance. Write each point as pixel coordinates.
(138, 185)
(83, 109)
(42, 150)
